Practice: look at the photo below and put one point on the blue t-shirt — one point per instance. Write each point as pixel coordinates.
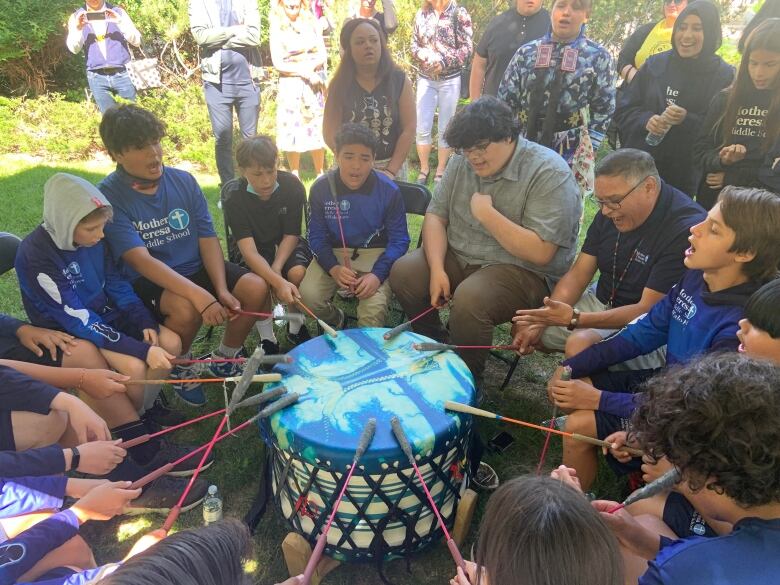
(169, 223)
(746, 556)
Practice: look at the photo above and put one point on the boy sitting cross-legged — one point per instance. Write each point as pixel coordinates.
(733, 252)
(368, 208)
(264, 209)
(164, 236)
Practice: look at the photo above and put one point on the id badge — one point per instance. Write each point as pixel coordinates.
(569, 62)
(543, 56)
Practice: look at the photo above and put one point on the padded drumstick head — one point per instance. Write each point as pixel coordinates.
(261, 398)
(365, 439)
(283, 402)
(327, 328)
(400, 436)
(433, 346)
(662, 484)
(566, 374)
(250, 367)
(397, 330)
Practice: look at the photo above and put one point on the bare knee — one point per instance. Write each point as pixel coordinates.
(32, 430)
(84, 354)
(170, 341)
(582, 422)
(296, 274)
(251, 290)
(580, 341)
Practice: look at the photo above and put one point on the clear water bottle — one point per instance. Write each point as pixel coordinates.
(654, 139)
(212, 507)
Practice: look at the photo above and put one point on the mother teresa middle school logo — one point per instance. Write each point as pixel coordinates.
(178, 219)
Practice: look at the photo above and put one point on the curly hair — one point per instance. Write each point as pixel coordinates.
(129, 126)
(717, 420)
(351, 133)
(487, 118)
(761, 309)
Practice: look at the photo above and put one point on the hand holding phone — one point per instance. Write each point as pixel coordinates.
(96, 15)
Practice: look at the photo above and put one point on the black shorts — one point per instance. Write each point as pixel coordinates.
(627, 381)
(150, 292)
(7, 442)
(606, 424)
(683, 519)
(22, 354)
(301, 256)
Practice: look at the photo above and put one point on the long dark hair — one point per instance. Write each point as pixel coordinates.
(539, 531)
(766, 36)
(347, 69)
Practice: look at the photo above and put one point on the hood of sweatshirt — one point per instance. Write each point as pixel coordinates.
(67, 200)
(736, 295)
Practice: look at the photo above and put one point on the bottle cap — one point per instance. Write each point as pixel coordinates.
(212, 490)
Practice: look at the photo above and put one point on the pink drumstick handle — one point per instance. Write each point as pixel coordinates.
(150, 477)
(456, 555)
(314, 559)
(173, 515)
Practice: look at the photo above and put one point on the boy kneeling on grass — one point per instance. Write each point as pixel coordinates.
(733, 252)
(357, 218)
(264, 209)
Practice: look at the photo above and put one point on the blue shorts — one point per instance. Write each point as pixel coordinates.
(606, 424)
(683, 519)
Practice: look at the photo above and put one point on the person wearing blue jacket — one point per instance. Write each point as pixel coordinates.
(356, 232)
(733, 252)
(670, 94)
(69, 281)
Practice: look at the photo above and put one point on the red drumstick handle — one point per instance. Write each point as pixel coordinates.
(150, 477)
(314, 559)
(173, 515)
(456, 555)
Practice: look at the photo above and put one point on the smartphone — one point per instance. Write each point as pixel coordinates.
(501, 442)
(96, 15)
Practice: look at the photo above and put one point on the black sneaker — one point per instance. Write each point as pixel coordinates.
(161, 415)
(162, 494)
(269, 347)
(171, 452)
(302, 336)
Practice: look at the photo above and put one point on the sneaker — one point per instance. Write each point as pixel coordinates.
(486, 478)
(302, 336)
(269, 347)
(190, 393)
(171, 452)
(162, 494)
(161, 415)
(226, 369)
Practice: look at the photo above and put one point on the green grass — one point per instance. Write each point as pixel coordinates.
(237, 465)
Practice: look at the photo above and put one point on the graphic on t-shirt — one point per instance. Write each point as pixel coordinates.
(158, 232)
(377, 115)
(672, 95)
(10, 554)
(684, 308)
(750, 122)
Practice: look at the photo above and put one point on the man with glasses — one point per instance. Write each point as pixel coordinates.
(500, 231)
(637, 243)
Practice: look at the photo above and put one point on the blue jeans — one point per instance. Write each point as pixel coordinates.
(430, 93)
(104, 87)
(221, 101)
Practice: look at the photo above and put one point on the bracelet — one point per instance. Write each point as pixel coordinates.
(81, 380)
(575, 319)
(207, 306)
(75, 458)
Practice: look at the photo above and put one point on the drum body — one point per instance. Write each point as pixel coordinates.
(343, 382)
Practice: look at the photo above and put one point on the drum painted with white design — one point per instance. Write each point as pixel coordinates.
(343, 382)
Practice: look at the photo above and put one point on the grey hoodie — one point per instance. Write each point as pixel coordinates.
(67, 199)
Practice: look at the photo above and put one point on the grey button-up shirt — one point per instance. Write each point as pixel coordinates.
(536, 190)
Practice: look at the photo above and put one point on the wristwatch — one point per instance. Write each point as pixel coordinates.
(75, 459)
(575, 319)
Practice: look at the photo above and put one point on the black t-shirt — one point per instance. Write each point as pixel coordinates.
(378, 110)
(506, 33)
(266, 221)
(657, 247)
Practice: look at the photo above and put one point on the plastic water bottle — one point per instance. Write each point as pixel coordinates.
(212, 507)
(654, 139)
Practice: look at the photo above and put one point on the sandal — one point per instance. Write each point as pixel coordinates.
(422, 178)
(437, 179)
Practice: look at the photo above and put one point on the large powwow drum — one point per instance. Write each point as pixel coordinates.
(343, 382)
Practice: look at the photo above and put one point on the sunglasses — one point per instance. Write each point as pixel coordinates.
(677, 2)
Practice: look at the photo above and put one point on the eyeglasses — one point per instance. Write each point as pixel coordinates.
(479, 148)
(678, 2)
(613, 205)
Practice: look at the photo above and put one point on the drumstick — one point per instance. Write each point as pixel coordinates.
(327, 328)
(256, 378)
(282, 317)
(247, 377)
(145, 437)
(276, 406)
(465, 408)
(261, 398)
(447, 346)
(408, 324)
(400, 436)
(566, 376)
(268, 411)
(322, 540)
(661, 484)
(267, 360)
(341, 232)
